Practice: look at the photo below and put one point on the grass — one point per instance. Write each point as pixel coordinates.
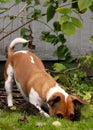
(10, 121)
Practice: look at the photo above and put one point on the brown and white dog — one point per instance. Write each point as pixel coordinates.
(36, 85)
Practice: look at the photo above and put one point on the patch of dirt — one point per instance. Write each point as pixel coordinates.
(18, 101)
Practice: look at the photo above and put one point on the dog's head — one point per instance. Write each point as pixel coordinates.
(68, 108)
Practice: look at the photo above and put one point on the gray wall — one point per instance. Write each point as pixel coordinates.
(78, 44)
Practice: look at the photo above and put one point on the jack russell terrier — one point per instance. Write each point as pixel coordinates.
(36, 85)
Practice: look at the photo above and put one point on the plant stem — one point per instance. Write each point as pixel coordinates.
(16, 29)
(14, 18)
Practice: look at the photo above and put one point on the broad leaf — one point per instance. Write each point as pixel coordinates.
(57, 26)
(62, 39)
(63, 78)
(87, 95)
(68, 28)
(64, 1)
(64, 11)
(74, 4)
(36, 13)
(83, 4)
(2, 8)
(24, 32)
(77, 22)
(61, 51)
(91, 8)
(68, 57)
(59, 67)
(50, 12)
(63, 19)
(52, 39)
(91, 39)
(5, 1)
(37, 2)
(18, 1)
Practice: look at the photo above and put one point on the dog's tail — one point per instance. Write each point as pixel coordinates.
(15, 42)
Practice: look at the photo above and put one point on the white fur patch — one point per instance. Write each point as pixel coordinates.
(25, 52)
(34, 98)
(36, 101)
(10, 70)
(32, 59)
(17, 41)
(55, 89)
(8, 85)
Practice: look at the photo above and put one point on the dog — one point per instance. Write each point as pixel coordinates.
(36, 85)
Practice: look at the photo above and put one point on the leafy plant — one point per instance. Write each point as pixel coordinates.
(76, 78)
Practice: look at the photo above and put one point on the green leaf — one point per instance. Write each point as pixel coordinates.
(91, 39)
(68, 28)
(83, 4)
(91, 8)
(63, 78)
(64, 11)
(87, 96)
(68, 57)
(74, 4)
(18, 1)
(37, 2)
(5, 1)
(2, 8)
(58, 67)
(62, 39)
(52, 39)
(28, 1)
(36, 13)
(50, 12)
(63, 19)
(57, 26)
(24, 32)
(64, 1)
(61, 51)
(77, 22)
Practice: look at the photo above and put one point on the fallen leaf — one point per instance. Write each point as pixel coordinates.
(38, 124)
(13, 108)
(56, 123)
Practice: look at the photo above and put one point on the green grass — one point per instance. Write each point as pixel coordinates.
(10, 121)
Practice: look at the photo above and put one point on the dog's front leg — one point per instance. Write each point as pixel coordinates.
(41, 111)
(37, 102)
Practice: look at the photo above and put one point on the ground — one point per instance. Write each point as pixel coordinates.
(26, 116)
(19, 102)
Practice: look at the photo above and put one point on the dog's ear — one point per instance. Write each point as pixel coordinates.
(78, 101)
(54, 99)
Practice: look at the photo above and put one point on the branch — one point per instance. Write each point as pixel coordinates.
(16, 29)
(8, 8)
(45, 24)
(14, 18)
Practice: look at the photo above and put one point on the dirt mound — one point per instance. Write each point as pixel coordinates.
(19, 102)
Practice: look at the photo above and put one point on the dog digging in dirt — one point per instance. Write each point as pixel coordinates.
(37, 86)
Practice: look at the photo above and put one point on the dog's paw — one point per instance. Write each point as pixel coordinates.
(12, 108)
(46, 115)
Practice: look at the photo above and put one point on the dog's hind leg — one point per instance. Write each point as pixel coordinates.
(8, 85)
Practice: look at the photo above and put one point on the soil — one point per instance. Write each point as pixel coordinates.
(21, 104)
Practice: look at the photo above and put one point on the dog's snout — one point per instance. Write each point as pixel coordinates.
(59, 115)
(72, 117)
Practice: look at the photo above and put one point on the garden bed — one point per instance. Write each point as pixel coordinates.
(21, 104)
